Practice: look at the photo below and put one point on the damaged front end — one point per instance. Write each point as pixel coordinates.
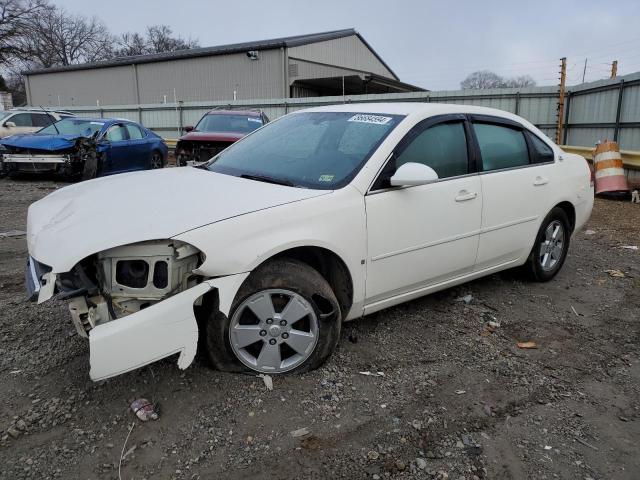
(189, 152)
(68, 161)
(134, 303)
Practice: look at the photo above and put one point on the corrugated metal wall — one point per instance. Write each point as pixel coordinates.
(214, 78)
(592, 109)
(109, 86)
(348, 52)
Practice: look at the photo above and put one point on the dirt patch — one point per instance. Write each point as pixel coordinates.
(456, 400)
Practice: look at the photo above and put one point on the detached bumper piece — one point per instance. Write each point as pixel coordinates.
(35, 280)
(161, 330)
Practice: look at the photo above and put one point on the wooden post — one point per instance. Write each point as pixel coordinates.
(614, 69)
(561, 92)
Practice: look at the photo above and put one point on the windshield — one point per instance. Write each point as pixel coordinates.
(322, 150)
(228, 123)
(72, 126)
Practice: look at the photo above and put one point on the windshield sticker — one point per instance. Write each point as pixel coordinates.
(326, 178)
(252, 119)
(364, 118)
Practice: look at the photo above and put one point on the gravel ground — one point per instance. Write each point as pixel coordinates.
(455, 398)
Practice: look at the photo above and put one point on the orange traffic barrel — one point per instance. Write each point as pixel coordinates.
(607, 162)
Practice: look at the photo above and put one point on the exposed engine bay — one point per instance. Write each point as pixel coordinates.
(189, 152)
(124, 280)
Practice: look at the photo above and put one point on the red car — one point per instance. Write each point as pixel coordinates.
(215, 131)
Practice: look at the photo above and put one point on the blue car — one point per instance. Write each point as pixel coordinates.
(85, 148)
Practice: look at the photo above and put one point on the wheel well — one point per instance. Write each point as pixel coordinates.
(331, 267)
(570, 211)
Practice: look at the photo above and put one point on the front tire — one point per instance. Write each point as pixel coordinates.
(285, 318)
(551, 246)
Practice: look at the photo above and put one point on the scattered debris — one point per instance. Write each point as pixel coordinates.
(586, 444)
(493, 324)
(421, 463)
(301, 432)
(589, 232)
(143, 409)
(574, 311)
(527, 345)
(12, 233)
(268, 381)
(460, 392)
(15, 372)
(629, 247)
(615, 273)
(372, 374)
(122, 451)
(548, 447)
(467, 299)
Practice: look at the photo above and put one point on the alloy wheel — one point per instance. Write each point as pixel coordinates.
(274, 331)
(552, 246)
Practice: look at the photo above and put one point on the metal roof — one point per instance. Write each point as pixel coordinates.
(269, 44)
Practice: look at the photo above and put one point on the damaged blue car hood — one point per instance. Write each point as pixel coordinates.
(41, 142)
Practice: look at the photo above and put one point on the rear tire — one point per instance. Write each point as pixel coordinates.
(156, 160)
(263, 333)
(550, 248)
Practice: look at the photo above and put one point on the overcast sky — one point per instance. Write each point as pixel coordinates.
(433, 44)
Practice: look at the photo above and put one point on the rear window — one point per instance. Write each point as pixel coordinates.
(228, 123)
(501, 147)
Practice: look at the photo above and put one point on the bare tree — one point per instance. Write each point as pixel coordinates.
(53, 37)
(14, 16)
(488, 79)
(158, 39)
(482, 79)
(520, 81)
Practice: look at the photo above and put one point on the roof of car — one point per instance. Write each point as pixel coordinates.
(410, 108)
(248, 113)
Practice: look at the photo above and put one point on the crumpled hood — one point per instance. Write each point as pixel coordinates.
(82, 219)
(41, 142)
(213, 136)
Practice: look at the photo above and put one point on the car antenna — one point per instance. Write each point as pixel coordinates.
(52, 122)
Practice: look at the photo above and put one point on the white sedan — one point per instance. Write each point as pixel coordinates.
(320, 217)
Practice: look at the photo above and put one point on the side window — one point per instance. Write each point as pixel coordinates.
(541, 151)
(134, 132)
(442, 147)
(116, 133)
(41, 119)
(22, 120)
(501, 146)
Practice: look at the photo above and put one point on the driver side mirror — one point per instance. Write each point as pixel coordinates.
(411, 174)
(9, 124)
(188, 128)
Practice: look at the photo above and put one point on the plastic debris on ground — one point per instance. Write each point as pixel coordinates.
(527, 345)
(143, 409)
(268, 381)
(301, 432)
(467, 299)
(629, 247)
(372, 374)
(12, 233)
(615, 273)
(589, 232)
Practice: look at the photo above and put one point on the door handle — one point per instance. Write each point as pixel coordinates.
(540, 181)
(464, 195)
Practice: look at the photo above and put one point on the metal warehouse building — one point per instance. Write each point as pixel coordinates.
(330, 63)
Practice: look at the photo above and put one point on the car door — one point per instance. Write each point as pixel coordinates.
(424, 235)
(116, 142)
(516, 175)
(140, 148)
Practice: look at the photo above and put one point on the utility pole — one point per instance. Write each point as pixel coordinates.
(584, 71)
(561, 91)
(614, 69)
